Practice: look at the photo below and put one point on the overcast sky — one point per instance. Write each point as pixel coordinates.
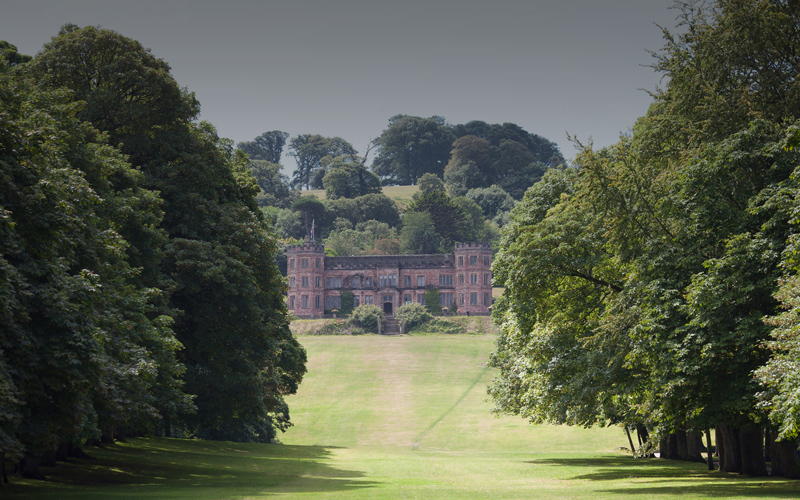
(343, 68)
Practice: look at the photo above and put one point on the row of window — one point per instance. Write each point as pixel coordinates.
(445, 300)
(473, 299)
(407, 299)
(473, 260)
(304, 263)
(330, 302)
(303, 301)
(390, 281)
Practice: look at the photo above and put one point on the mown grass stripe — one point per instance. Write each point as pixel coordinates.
(424, 433)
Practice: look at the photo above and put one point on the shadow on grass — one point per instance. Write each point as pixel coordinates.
(176, 468)
(653, 477)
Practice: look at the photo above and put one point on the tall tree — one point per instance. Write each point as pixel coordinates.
(309, 151)
(10, 54)
(412, 146)
(448, 217)
(276, 190)
(493, 200)
(418, 235)
(217, 239)
(347, 177)
(517, 158)
(691, 214)
(429, 182)
(83, 344)
(313, 213)
(267, 146)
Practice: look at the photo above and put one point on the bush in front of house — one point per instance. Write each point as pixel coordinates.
(367, 316)
(414, 314)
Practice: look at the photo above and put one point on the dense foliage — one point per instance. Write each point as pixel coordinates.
(367, 317)
(478, 171)
(641, 284)
(138, 292)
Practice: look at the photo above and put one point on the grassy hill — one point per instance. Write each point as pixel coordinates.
(401, 194)
(394, 417)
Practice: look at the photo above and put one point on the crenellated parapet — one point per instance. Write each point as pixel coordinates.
(307, 246)
(473, 245)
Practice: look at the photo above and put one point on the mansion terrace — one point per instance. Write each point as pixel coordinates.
(316, 282)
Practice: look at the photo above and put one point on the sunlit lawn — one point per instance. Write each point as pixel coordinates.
(401, 194)
(394, 417)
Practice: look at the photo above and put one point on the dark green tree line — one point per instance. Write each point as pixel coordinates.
(310, 151)
(136, 279)
(267, 146)
(640, 285)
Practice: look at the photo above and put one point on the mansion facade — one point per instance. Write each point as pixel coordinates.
(316, 282)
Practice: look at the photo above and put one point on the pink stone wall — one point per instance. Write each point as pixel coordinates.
(473, 277)
(471, 293)
(306, 298)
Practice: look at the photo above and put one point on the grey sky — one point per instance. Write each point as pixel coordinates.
(343, 68)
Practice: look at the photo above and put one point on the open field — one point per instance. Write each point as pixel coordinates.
(401, 194)
(394, 417)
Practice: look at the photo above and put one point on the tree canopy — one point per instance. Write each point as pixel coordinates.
(412, 146)
(134, 280)
(347, 177)
(449, 219)
(267, 146)
(640, 285)
(309, 151)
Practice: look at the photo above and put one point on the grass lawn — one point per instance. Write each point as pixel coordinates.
(394, 417)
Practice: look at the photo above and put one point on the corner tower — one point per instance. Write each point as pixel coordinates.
(473, 285)
(305, 269)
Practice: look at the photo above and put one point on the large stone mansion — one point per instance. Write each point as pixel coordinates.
(316, 282)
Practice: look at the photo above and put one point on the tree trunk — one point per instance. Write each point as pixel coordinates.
(94, 442)
(49, 458)
(680, 440)
(769, 441)
(29, 469)
(669, 447)
(784, 459)
(708, 450)
(633, 448)
(730, 456)
(720, 446)
(167, 423)
(74, 450)
(694, 447)
(644, 437)
(62, 453)
(752, 443)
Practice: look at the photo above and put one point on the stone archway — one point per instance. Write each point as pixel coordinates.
(387, 308)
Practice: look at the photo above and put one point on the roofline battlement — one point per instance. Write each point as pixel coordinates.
(480, 245)
(306, 246)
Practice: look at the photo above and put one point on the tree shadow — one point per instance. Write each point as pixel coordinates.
(673, 477)
(173, 468)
